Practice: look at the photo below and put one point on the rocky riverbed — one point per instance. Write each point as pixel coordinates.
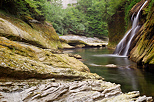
(53, 90)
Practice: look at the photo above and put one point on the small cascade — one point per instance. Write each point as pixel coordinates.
(124, 45)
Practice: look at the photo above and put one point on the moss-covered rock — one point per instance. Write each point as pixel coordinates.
(19, 60)
(40, 34)
(143, 44)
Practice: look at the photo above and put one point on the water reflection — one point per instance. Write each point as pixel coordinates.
(126, 72)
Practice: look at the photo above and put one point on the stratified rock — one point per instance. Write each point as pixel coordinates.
(142, 48)
(82, 41)
(19, 60)
(76, 91)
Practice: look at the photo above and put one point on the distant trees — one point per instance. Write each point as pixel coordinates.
(89, 17)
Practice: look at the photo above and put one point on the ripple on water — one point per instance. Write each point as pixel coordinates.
(110, 55)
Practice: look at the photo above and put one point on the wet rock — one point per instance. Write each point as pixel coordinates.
(67, 46)
(111, 65)
(142, 47)
(136, 7)
(108, 65)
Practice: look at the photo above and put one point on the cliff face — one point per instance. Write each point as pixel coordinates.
(142, 48)
(116, 28)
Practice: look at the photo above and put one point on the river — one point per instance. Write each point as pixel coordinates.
(126, 73)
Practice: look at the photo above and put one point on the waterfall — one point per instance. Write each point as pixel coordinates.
(124, 45)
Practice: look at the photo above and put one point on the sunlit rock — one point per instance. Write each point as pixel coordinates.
(82, 41)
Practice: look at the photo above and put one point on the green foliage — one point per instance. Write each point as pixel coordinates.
(128, 7)
(21, 8)
(150, 5)
(130, 4)
(89, 17)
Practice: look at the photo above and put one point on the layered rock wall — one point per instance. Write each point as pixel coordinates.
(142, 47)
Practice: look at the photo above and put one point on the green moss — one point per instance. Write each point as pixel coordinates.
(41, 34)
(128, 6)
(1, 21)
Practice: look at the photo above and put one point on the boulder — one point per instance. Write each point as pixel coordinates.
(82, 41)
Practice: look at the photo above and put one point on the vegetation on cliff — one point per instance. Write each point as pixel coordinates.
(121, 20)
(87, 18)
(129, 5)
(142, 48)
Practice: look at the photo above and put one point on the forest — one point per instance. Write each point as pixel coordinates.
(87, 17)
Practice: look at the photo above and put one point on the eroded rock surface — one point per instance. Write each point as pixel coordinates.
(67, 91)
(30, 51)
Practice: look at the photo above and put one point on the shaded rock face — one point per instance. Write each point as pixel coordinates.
(116, 28)
(142, 48)
(65, 91)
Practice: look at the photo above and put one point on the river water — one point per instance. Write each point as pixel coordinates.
(126, 73)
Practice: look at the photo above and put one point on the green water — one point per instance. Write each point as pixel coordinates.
(126, 73)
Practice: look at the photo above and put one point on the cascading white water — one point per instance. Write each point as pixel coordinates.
(123, 47)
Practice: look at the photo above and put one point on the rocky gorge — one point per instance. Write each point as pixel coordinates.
(33, 68)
